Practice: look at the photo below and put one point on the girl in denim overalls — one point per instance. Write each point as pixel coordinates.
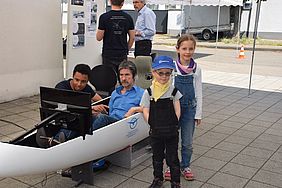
(188, 80)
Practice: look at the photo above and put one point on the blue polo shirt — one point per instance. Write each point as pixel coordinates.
(120, 103)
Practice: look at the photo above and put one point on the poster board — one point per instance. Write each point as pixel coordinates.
(82, 46)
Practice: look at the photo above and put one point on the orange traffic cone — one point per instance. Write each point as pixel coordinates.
(242, 53)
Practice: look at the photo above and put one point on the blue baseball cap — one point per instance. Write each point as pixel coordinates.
(163, 62)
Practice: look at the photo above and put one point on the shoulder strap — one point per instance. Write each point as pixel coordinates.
(149, 91)
(174, 91)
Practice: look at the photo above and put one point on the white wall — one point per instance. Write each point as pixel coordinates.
(31, 47)
(269, 20)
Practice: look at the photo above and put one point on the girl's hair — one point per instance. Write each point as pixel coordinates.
(185, 37)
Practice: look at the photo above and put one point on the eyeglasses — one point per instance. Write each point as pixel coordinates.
(167, 74)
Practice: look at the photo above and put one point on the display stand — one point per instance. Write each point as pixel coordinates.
(131, 156)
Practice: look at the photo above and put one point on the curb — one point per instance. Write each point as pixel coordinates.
(258, 48)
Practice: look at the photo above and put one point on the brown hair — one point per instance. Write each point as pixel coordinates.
(117, 2)
(185, 37)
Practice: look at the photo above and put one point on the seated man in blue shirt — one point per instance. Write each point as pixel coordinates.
(125, 99)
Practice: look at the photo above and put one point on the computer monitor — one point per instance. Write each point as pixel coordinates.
(74, 106)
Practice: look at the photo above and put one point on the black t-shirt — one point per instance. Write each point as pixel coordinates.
(66, 85)
(116, 25)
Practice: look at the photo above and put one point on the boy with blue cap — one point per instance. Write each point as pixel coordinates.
(161, 109)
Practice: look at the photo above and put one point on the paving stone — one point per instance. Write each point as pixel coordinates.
(202, 174)
(199, 149)
(220, 154)
(232, 124)
(253, 128)
(206, 141)
(257, 152)
(130, 183)
(254, 184)
(248, 160)
(236, 139)
(246, 134)
(260, 123)
(12, 183)
(277, 157)
(209, 163)
(265, 145)
(108, 179)
(270, 138)
(269, 178)
(37, 179)
(227, 146)
(125, 171)
(184, 183)
(9, 129)
(227, 181)
(4, 113)
(274, 132)
(268, 116)
(224, 129)
(239, 119)
(212, 120)
(273, 166)
(17, 109)
(14, 118)
(207, 185)
(239, 170)
(30, 114)
(145, 175)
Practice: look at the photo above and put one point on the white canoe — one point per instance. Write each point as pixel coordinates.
(17, 160)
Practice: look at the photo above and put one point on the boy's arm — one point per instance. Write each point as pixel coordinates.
(177, 108)
(146, 114)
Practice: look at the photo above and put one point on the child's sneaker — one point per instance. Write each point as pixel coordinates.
(157, 183)
(167, 175)
(188, 175)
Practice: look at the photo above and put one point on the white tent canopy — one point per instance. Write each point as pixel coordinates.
(194, 2)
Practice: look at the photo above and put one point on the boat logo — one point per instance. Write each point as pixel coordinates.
(133, 122)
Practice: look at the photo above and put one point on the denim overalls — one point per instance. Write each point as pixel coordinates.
(187, 119)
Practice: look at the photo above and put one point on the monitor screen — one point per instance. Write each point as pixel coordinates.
(73, 105)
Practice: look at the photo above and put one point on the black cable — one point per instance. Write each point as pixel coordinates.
(6, 121)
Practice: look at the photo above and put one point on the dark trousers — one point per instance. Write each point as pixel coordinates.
(113, 61)
(165, 147)
(143, 48)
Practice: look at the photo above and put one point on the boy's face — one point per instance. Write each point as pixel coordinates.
(79, 81)
(162, 75)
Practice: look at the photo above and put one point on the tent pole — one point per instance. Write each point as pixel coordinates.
(239, 29)
(254, 43)
(217, 27)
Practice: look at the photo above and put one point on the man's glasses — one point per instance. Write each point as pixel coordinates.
(167, 74)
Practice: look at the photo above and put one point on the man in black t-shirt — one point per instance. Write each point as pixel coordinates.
(114, 26)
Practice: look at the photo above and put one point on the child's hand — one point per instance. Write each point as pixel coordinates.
(198, 121)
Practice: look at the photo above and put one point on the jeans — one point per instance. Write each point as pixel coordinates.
(187, 127)
(102, 120)
(69, 134)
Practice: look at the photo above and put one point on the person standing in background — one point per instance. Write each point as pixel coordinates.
(145, 28)
(113, 28)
